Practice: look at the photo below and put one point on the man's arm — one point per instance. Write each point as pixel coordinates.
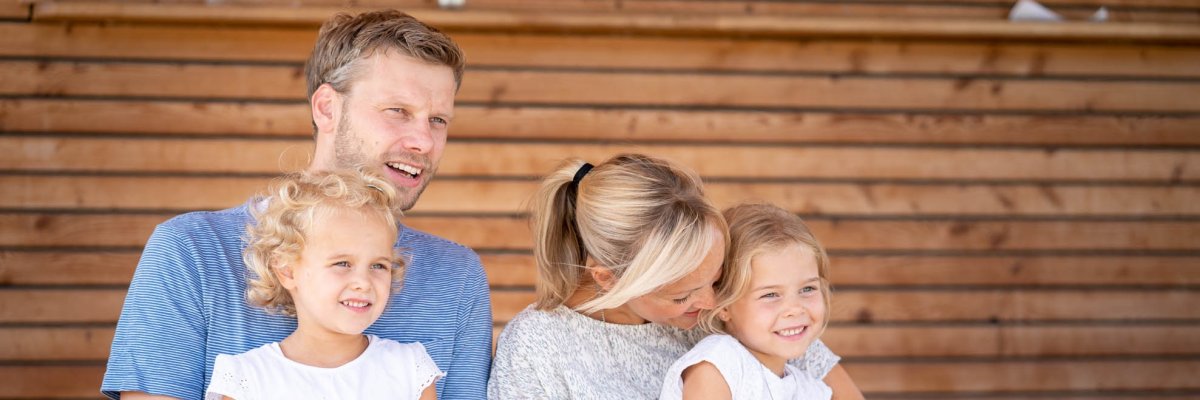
(467, 376)
(158, 347)
(143, 396)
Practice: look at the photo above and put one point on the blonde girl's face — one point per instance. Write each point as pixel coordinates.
(343, 279)
(783, 310)
(679, 304)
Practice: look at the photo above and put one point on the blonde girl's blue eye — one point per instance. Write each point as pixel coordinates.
(769, 295)
(380, 266)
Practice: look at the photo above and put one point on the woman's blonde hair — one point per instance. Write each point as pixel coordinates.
(644, 219)
(294, 202)
(755, 229)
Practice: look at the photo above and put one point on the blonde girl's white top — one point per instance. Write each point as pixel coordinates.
(386, 370)
(748, 378)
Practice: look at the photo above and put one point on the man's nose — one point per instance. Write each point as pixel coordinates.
(418, 137)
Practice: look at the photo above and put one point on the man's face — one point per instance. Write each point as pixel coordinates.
(394, 120)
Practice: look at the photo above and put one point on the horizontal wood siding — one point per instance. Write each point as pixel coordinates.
(1009, 215)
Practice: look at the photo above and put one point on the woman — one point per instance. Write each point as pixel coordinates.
(627, 255)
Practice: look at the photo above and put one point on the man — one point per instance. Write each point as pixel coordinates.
(381, 86)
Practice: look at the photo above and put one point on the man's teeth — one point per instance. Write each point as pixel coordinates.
(408, 169)
(356, 303)
(790, 332)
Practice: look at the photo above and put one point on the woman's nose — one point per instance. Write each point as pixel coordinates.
(707, 299)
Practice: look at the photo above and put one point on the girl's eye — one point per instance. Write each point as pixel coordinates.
(808, 289)
(681, 299)
(770, 295)
(342, 264)
(380, 266)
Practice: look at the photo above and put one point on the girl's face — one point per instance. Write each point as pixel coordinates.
(782, 311)
(342, 280)
(679, 303)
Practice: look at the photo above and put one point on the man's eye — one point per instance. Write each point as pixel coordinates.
(439, 121)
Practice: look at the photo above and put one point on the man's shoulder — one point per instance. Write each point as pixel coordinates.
(427, 247)
(222, 222)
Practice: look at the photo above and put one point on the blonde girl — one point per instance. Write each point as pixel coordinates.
(771, 307)
(321, 250)
(627, 254)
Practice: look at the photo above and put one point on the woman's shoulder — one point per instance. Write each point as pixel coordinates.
(533, 327)
(534, 321)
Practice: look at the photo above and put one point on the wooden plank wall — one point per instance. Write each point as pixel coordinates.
(1009, 218)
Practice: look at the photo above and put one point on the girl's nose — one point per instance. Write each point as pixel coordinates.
(795, 307)
(358, 279)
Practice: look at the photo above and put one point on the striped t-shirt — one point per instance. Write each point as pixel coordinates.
(187, 303)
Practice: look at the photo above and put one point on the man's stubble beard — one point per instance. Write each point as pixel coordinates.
(348, 155)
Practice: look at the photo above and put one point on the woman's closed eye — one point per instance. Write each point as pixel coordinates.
(681, 300)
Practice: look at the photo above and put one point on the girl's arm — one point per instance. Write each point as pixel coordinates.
(430, 392)
(841, 383)
(704, 381)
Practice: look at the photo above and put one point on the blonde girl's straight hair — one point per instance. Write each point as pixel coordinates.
(293, 203)
(643, 218)
(756, 229)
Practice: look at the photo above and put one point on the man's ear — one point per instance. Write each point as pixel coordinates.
(326, 104)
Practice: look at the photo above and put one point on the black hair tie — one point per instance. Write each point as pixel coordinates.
(583, 170)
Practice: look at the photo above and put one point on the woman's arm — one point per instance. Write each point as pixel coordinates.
(843, 386)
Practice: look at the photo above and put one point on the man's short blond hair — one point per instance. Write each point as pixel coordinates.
(345, 40)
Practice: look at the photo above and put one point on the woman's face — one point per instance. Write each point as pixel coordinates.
(678, 304)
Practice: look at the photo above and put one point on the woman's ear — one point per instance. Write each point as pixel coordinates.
(603, 276)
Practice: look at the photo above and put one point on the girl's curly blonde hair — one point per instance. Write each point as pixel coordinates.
(755, 229)
(293, 203)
